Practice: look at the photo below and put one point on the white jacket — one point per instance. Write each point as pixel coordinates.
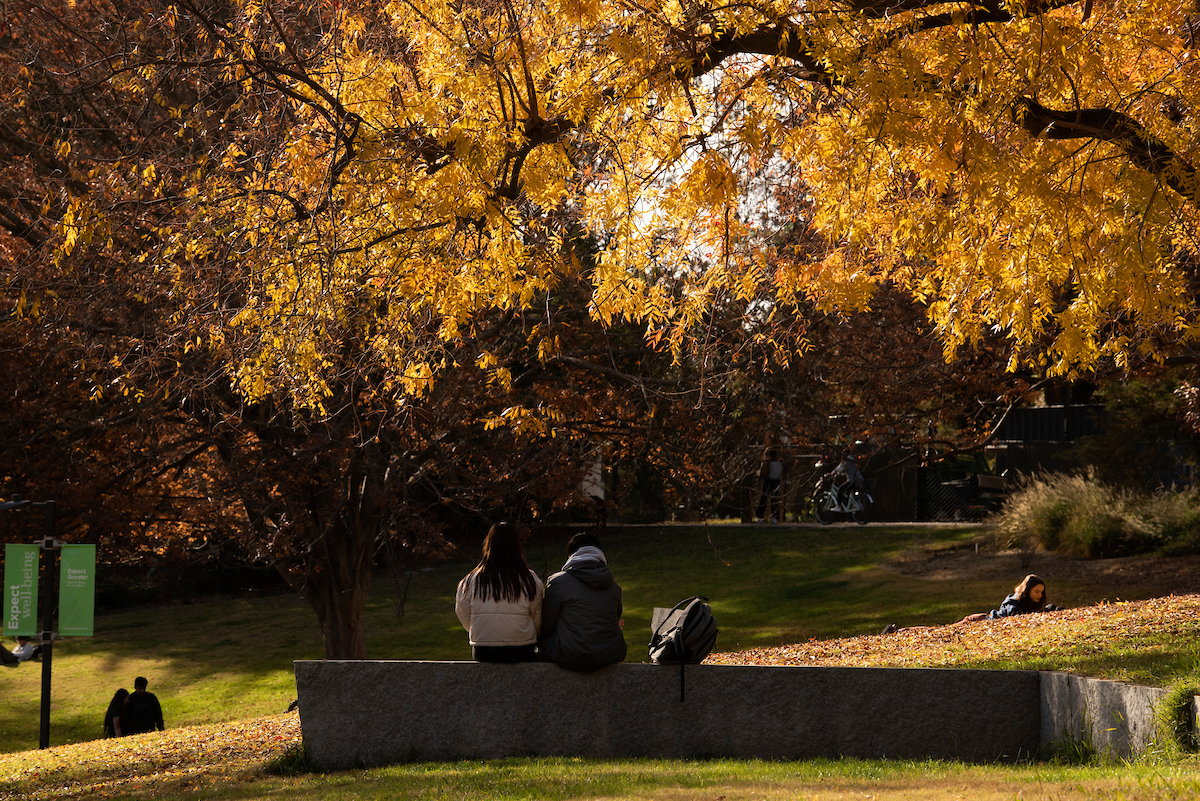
(490, 622)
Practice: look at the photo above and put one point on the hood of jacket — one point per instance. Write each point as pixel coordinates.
(589, 566)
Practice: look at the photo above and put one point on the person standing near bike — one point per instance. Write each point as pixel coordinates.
(770, 500)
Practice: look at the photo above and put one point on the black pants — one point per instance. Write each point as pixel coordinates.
(769, 500)
(508, 654)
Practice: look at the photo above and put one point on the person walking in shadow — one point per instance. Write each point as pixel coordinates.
(142, 710)
(115, 713)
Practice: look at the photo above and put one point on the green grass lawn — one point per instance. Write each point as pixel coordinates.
(231, 658)
(723, 780)
(233, 761)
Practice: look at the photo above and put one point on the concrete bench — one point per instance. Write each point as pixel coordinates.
(367, 713)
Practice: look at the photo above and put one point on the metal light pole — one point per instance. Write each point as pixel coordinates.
(50, 546)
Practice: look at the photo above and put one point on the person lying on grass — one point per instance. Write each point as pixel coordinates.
(1027, 597)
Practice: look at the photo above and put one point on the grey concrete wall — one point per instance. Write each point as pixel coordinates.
(1115, 717)
(372, 713)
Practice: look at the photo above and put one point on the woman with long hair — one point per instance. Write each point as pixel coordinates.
(1027, 597)
(114, 714)
(500, 601)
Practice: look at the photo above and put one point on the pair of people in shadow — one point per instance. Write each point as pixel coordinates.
(133, 713)
(573, 620)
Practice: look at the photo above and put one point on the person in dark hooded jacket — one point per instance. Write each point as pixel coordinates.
(581, 613)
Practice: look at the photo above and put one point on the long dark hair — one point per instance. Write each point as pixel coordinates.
(502, 573)
(1023, 590)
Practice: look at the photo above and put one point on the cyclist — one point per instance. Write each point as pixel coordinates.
(847, 478)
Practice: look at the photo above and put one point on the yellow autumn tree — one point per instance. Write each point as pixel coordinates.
(1018, 167)
(1021, 167)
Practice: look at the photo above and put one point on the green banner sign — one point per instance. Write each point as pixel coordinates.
(77, 590)
(20, 589)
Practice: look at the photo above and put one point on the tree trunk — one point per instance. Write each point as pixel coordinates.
(340, 615)
(316, 498)
(333, 572)
(338, 581)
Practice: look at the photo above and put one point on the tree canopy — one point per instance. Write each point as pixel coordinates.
(1019, 168)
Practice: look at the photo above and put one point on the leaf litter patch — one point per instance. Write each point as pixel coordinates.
(139, 763)
(1051, 639)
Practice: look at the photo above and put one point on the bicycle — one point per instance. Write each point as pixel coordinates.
(828, 502)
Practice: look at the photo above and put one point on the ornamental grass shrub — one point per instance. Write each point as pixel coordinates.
(1082, 516)
(1175, 716)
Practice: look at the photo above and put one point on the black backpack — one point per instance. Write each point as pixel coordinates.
(683, 635)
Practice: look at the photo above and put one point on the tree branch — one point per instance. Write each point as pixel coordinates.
(1143, 148)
